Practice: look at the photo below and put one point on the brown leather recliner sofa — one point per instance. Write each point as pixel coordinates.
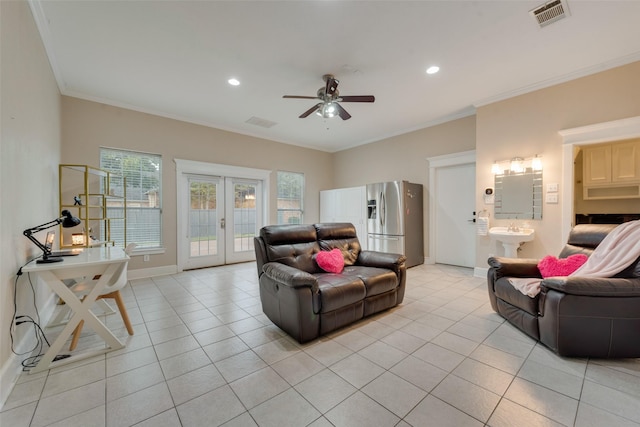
(573, 316)
(305, 301)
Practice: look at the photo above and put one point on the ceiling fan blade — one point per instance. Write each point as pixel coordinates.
(300, 97)
(310, 110)
(332, 86)
(342, 112)
(357, 98)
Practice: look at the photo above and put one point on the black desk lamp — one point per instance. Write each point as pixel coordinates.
(67, 220)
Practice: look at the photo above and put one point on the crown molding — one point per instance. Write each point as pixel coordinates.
(602, 132)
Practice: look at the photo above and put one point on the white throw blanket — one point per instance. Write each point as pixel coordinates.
(616, 252)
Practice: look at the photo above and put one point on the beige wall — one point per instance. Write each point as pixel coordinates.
(527, 125)
(29, 157)
(404, 157)
(88, 125)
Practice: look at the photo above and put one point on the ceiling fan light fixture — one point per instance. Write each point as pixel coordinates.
(330, 100)
(327, 110)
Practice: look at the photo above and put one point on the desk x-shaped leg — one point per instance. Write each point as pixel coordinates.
(80, 311)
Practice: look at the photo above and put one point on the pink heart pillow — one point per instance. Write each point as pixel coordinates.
(550, 266)
(330, 261)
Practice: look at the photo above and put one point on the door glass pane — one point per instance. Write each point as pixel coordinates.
(290, 191)
(202, 218)
(244, 216)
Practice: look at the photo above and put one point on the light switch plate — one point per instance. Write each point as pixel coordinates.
(552, 188)
(551, 198)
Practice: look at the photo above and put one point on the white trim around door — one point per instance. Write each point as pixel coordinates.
(192, 167)
(585, 135)
(464, 157)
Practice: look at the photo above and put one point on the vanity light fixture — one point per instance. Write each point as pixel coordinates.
(495, 168)
(536, 163)
(517, 165)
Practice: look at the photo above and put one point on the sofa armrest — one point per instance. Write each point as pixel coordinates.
(514, 267)
(289, 276)
(381, 259)
(593, 286)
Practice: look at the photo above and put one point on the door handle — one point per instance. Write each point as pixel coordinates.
(222, 223)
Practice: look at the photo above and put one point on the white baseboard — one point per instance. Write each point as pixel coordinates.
(480, 271)
(12, 368)
(9, 374)
(142, 273)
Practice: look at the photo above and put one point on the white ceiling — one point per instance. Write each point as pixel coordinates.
(173, 58)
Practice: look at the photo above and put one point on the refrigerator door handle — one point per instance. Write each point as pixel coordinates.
(385, 238)
(383, 207)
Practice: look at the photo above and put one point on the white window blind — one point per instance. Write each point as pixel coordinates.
(290, 197)
(143, 172)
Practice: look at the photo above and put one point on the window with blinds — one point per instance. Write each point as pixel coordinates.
(290, 197)
(143, 172)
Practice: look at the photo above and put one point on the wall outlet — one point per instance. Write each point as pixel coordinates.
(145, 258)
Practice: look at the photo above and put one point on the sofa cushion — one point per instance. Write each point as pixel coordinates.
(376, 280)
(505, 291)
(341, 236)
(293, 245)
(298, 256)
(339, 290)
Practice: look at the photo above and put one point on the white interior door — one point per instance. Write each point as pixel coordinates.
(455, 227)
(224, 215)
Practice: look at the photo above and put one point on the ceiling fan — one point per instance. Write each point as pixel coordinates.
(330, 97)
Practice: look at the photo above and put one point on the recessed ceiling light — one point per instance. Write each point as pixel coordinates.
(233, 82)
(433, 69)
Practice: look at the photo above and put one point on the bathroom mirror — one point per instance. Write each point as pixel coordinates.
(518, 195)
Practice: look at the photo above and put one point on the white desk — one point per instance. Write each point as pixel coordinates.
(92, 261)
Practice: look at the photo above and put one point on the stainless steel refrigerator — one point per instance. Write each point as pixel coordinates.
(394, 219)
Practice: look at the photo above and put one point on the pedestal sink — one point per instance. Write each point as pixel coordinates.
(511, 239)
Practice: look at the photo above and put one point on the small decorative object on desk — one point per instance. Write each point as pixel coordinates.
(77, 239)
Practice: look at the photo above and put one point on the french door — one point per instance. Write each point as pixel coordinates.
(224, 215)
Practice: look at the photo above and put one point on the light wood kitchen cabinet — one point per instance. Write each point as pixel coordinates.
(625, 162)
(597, 165)
(612, 171)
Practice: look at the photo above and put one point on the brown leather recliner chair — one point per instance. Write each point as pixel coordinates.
(307, 302)
(573, 316)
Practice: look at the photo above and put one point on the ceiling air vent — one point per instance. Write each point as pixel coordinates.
(261, 122)
(550, 12)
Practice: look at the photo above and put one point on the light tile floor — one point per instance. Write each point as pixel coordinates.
(204, 354)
